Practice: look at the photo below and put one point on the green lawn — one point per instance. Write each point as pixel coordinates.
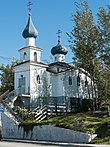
(85, 122)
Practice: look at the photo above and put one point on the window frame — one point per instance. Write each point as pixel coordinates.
(70, 81)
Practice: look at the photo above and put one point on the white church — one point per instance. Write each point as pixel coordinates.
(58, 83)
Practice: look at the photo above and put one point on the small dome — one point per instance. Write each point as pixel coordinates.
(30, 30)
(59, 49)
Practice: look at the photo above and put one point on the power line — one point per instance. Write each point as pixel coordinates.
(5, 58)
(9, 59)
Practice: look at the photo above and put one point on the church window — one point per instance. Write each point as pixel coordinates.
(55, 58)
(38, 79)
(24, 56)
(35, 56)
(21, 85)
(57, 69)
(70, 81)
(78, 80)
(86, 83)
(62, 58)
(22, 81)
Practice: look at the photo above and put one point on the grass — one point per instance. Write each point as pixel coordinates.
(84, 122)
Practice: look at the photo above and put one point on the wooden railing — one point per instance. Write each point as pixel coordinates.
(47, 111)
(3, 95)
(41, 112)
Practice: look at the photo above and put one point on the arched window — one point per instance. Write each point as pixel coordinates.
(70, 80)
(55, 58)
(24, 56)
(38, 79)
(58, 70)
(62, 58)
(35, 56)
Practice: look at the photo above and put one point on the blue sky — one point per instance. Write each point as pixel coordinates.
(48, 16)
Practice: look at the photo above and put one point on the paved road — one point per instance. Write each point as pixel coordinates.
(16, 144)
(43, 144)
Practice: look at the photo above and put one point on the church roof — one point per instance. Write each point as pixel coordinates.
(30, 30)
(62, 64)
(31, 62)
(59, 49)
(59, 65)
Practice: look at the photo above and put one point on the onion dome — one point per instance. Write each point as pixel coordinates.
(30, 30)
(59, 49)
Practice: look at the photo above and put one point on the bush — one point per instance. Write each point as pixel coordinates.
(87, 104)
(105, 127)
(22, 113)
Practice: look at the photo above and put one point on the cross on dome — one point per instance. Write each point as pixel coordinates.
(30, 31)
(59, 32)
(29, 7)
(59, 49)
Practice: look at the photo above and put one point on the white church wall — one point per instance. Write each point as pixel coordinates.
(38, 53)
(70, 90)
(61, 87)
(36, 87)
(30, 41)
(22, 51)
(59, 58)
(81, 87)
(74, 90)
(85, 91)
(33, 80)
(47, 79)
(61, 84)
(57, 85)
(30, 54)
(20, 72)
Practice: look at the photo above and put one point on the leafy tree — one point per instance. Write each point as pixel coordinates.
(104, 28)
(84, 39)
(7, 78)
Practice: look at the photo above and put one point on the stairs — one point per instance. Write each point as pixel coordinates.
(40, 113)
(3, 95)
(10, 113)
(6, 101)
(9, 98)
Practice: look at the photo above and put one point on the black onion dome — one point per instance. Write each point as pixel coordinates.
(59, 49)
(30, 30)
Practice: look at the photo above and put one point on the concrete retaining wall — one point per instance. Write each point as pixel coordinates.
(45, 133)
